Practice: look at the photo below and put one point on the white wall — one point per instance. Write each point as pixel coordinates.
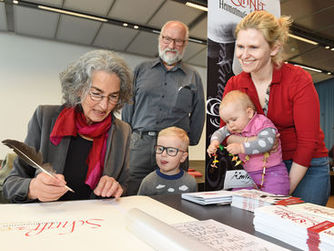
(29, 69)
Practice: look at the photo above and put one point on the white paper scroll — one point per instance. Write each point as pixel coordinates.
(160, 235)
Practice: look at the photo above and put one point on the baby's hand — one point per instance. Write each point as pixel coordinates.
(213, 147)
(235, 148)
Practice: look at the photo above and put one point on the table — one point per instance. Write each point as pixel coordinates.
(232, 216)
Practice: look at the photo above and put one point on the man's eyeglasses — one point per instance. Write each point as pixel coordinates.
(168, 40)
(112, 99)
(171, 151)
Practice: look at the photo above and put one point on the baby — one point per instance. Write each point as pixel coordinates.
(266, 168)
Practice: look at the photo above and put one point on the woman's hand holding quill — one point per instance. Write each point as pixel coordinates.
(33, 158)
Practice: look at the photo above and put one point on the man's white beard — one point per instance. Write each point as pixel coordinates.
(170, 58)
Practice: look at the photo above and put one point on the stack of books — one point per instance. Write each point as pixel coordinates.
(251, 199)
(315, 210)
(305, 226)
(206, 198)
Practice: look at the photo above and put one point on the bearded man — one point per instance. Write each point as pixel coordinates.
(166, 93)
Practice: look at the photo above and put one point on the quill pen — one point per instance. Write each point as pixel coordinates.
(33, 158)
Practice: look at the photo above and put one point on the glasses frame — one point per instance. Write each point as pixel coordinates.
(99, 97)
(168, 40)
(167, 148)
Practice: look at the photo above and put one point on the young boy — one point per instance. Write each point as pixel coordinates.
(171, 150)
(266, 168)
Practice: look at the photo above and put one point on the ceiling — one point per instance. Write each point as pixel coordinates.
(313, 19)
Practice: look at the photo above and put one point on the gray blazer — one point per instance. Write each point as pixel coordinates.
(39, 129)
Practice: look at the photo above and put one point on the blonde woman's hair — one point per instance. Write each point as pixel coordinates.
(275, 30)
(177, 132)
(237, 97)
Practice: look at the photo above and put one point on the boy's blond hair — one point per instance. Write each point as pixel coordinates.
(237, 97)
(177, 132)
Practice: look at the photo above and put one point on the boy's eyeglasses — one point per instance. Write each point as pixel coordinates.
(112, 99)
(171, 151)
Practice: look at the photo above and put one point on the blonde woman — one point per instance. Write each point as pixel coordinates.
(286, 95)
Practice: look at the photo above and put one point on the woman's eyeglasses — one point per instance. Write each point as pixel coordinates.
(112, 99)
(171, 151)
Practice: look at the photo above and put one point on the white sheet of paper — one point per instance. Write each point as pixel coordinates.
(78, 225)
(237, 179)
(223, 237)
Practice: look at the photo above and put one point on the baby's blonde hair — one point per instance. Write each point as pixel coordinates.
(177, 132)
(237, 97)
(275, 30)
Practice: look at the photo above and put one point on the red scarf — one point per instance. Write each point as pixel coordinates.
(70, 122)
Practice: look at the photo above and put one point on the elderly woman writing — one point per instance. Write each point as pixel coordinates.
(286, 95)
(82, 140)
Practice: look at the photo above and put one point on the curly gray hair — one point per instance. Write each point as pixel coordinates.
(76, 79)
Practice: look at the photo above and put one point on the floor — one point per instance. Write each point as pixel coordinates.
(199, 165)
(330, 202)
